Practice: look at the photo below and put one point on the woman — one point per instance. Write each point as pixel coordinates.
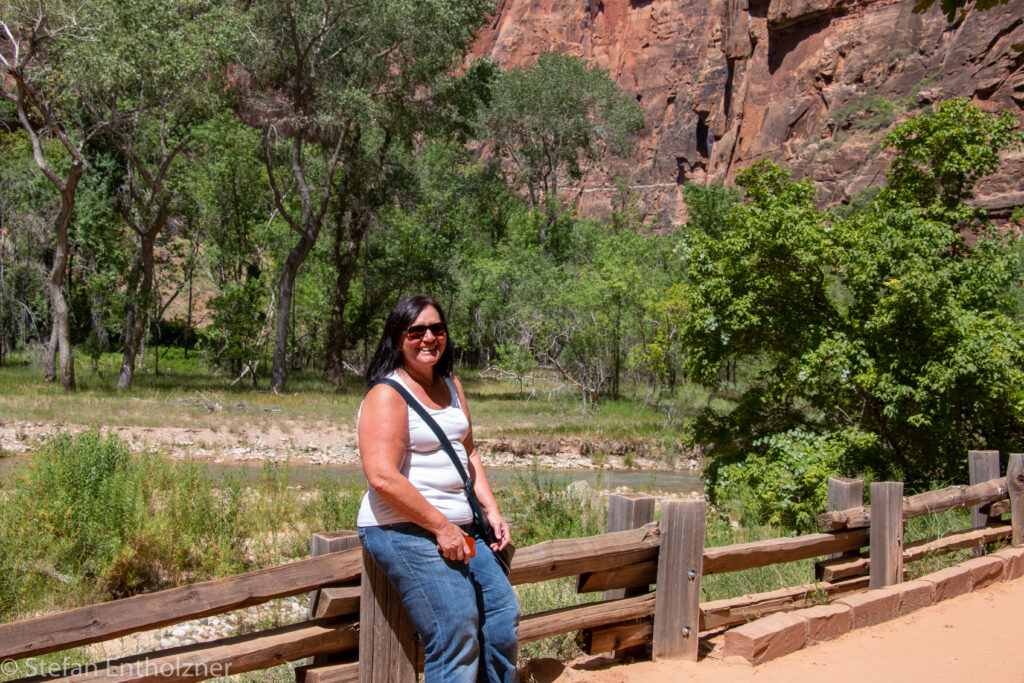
(415, 518)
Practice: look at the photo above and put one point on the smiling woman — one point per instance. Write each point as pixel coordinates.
(416, 520)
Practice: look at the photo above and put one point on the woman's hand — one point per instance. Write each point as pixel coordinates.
(501, 530)
(451, 542)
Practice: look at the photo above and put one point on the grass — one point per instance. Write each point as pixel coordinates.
(181, 396)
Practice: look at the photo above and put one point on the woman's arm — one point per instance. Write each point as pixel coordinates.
(482, 487)
(383, 432)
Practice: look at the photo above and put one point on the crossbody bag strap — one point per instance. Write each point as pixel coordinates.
(446, 444)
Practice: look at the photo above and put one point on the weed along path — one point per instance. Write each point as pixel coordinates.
(972, 637)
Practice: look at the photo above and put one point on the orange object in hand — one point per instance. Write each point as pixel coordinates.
(471, 542)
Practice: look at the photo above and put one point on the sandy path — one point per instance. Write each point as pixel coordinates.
(968, 639)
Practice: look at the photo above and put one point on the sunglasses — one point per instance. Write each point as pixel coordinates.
(418, 331)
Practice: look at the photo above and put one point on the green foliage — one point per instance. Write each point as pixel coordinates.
(941, 156)
(544, 119)
(784, 484)
(888, 323)
(870, 112)
(707, 206)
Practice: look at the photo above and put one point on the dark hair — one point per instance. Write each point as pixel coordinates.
(388, 355)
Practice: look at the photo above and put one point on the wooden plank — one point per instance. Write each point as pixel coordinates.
(639, 574)
(328, 673)
(571, 556)
(96, 623)
(565, 619)
(969, 538)
(627, 512)
(337, 601)
(1015, 485)
(981, 466)
(387, 644)
(732, 558)
(680, 563)
(333, 542)
(886, 533)
(329, 542)
(321, 544)
(739, 610)
(998, 508)
(930, 502)
(226, 657)
(718, 614)
(626, 635)
(840, 568)
(843, 494)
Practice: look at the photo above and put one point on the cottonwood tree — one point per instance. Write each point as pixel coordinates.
(549, 120)
(148, 76)
(337, 83)
(32, 36)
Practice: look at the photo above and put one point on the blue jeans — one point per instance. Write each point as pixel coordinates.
(467, 615)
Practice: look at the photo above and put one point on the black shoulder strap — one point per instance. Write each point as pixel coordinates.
(446, 444)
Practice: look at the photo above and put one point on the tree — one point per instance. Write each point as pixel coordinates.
(546, 120)
(888, 334)
(30, 50)
(148, 76)
(328, 73)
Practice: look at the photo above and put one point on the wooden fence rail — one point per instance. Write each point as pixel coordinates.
(623, 563)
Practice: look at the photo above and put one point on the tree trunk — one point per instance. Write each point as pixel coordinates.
(137, 308)
(58, 300)
(346, 254)
(285, 294)
(49, 355)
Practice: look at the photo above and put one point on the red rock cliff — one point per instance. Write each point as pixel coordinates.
(812, 84)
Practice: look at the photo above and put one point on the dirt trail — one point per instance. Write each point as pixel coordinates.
(973, 637)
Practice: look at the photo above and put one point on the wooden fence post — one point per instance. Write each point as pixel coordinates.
(1015, 484)
(680, 565)
(628, 512)
(321, 544)
(844, 494)
(886, 533)
(982, 466)
(625, 512)
(387, 640)
(329, 542)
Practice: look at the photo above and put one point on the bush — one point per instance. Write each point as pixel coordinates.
(786, 484)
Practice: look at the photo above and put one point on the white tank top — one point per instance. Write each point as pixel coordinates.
(427, 465)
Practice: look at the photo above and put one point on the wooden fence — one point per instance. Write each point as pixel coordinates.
(357, 631)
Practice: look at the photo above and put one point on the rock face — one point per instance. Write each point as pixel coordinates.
(811, 84)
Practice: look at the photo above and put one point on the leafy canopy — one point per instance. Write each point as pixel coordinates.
(544, 119)
(892, 327)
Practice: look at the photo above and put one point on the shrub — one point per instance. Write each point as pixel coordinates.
(786, 484)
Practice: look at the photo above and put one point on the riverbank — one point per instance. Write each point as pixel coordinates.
(325, 443)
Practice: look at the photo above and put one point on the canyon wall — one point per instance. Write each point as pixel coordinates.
(811, 84)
